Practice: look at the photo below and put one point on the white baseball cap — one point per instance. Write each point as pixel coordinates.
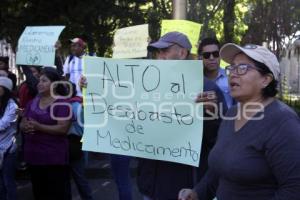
(6, 82)
(78, 41)
(256, 52)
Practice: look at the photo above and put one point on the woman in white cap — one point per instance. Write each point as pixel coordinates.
(8, 119)
(257, 154)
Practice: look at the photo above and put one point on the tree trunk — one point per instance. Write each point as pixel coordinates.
(228, 20)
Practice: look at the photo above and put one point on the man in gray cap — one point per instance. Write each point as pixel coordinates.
(161, 180)
(171, 46)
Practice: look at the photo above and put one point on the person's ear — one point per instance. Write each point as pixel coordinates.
(267, 80)
(183, 53)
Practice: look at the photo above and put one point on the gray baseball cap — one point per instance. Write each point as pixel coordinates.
(170, 39)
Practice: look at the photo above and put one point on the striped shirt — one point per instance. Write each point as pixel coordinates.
(75, 69)
(8, 126)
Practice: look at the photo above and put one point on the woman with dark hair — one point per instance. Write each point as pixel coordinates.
(256, 155)
(25, 93)
(28, 89)
(8, 119)
(46, 122)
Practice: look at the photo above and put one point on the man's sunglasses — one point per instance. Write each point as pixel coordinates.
(215, 54)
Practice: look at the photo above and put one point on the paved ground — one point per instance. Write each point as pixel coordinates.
(99, 175)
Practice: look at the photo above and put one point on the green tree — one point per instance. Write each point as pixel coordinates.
(242, 21)
(271, 21)
(93, 20)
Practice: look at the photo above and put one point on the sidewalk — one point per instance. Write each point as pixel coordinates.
(99, 175)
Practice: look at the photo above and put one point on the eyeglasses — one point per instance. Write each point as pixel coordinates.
(239, 69)
(206, 55)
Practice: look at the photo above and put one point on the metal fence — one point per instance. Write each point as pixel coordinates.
(6, 50)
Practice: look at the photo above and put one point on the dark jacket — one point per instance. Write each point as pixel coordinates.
(162, 180)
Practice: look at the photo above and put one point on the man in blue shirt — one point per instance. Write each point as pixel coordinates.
(208, 51)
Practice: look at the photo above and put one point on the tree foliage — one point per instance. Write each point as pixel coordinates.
(272, 21)
(245, 21)
(93, 20)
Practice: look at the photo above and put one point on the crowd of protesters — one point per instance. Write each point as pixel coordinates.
(240, 158)
(44, 114)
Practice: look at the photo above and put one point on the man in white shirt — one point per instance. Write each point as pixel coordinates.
(73, 65)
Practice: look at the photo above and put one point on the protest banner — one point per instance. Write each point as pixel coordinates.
(191, 29)
(131, 42)
(144, 108)
(36, 45)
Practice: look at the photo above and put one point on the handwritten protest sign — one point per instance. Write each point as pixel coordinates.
(131, 42)
(191, 29)
(143, 108)
(36, 45)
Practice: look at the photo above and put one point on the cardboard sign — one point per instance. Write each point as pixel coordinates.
(144, 108)
(191, 29)
(131, 42)
(36, 45)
